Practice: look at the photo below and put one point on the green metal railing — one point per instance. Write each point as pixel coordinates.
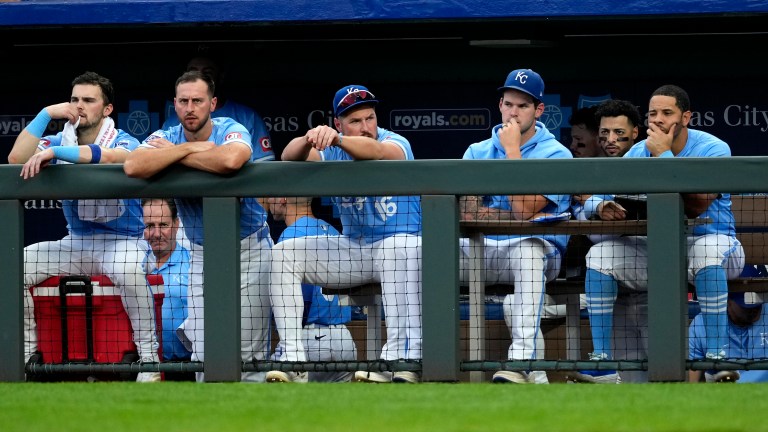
(439, 182)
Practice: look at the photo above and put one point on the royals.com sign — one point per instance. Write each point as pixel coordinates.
(439, 119)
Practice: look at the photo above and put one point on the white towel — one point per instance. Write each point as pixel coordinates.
(98, 210)
(69, 135)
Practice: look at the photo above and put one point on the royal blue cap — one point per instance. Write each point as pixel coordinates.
(525, 80)
(745, 300)
(358, 95)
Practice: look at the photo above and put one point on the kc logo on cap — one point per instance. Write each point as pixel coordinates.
(521, 77)
(350, 96)
(526, 81)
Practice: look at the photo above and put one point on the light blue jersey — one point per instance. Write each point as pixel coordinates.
(376, 218)
(743, 343)
(226, 131)
(542, 145)
(324, 309)
(700, 145)
(175, 274)
(122, 217)
(241, 114)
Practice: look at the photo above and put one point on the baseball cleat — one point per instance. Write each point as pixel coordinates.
(145, 377)
(286, 377)
(373, 377)
(513, 377)
(406, 377)
(594, 376)
(723, 376)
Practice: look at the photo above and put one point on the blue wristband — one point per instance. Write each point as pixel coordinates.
(39, 124)
(667, 154)
(95, 153)
(67, 153)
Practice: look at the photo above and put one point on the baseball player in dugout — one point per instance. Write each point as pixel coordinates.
(219, 146)
(526, 261)
(105, 235)
(747, 333)
(326, 336)
(380, 242)
(227, 107)
(714, 253)
(170, 260)
(618, 128)
(584, 142)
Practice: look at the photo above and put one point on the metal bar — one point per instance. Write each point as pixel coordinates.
(221, 268)
(11, 304)
(477, 345)
(440, 177)
(667, 288)
(440, 289)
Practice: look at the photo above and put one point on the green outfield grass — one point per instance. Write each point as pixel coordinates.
(184, 406)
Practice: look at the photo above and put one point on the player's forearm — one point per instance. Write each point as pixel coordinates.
(473, 210)
(495, 214)
(298, 149)
(218, 160)
(115, 155)
(24, 147)
(144, 163)
(198, 162)
(468, 206)
(525, 207)
(362, 148)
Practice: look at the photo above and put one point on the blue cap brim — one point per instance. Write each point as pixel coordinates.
(520, 89)
(741, 300)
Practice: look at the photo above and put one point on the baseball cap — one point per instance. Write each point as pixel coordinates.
(350, 96)
(525, 80)
(747, 300)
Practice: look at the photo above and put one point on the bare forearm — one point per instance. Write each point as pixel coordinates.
(471, 209)
(224, 159)
(468, 206)
(297, 150)
(144, 163)
(489, 213)
(525, 207)
(363, 148)
(24, 147)
(203, 162)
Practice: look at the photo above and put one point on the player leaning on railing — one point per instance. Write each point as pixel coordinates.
(105, 236)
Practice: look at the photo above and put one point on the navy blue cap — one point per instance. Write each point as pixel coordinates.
(351, 96)
(746, 301)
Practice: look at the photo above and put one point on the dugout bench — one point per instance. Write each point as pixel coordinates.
(751, 216)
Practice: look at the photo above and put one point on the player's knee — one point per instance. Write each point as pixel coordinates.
(289, 250)
(601, 255)
(401, 246)
(528, 249)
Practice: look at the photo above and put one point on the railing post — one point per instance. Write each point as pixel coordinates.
(11, 294)
(440, 288)
(221, 272)
(667, 288)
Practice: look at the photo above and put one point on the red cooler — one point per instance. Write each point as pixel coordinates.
(82, 319)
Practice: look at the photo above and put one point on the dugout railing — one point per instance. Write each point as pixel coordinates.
(439, 182)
